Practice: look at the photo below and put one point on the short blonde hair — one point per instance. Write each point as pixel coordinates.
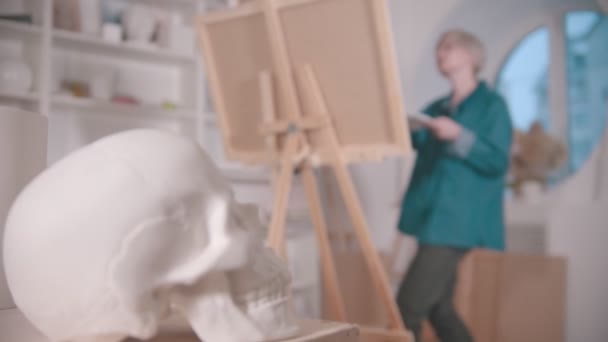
(470, 42)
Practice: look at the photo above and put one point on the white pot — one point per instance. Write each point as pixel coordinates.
(139, 24)
(15, 75)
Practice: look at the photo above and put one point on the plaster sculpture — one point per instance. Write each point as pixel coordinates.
(535, 155)
(121, 233)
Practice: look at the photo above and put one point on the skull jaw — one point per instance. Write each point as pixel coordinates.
(261, 289)
(227, 322)
(213, 314)
(276, 320)
(236, 289)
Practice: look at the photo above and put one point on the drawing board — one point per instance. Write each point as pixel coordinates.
(349, 46)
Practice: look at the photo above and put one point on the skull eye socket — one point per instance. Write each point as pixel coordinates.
(247, 217)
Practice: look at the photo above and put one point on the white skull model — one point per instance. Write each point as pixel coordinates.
(108, 241)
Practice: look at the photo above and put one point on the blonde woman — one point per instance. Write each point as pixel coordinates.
(455, 198)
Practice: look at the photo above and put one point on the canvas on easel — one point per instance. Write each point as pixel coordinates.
(300, 84)
(348, 45)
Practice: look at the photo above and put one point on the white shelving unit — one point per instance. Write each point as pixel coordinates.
(6, 96)
(77, 41)
(75, 121)
(18, 28)
(117, 110)
(45, 48)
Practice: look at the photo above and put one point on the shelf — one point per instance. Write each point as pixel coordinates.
(14, 96)
(96, 45)
(183, 5)
(18, 28)
(93, 106)
(92, 44)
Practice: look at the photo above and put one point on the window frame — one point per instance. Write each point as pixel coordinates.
(559, 101)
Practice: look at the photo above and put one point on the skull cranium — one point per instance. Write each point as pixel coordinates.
(108, 241)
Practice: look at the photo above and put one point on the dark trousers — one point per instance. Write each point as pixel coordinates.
(427, 292)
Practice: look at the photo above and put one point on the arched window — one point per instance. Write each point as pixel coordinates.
(526, 78)
(523, 80)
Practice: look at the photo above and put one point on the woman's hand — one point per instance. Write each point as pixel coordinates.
(445, 128)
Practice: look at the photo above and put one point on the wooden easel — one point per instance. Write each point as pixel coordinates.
(293, 155)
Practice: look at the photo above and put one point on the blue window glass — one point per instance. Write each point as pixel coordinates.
(586, 35)
(523, 81)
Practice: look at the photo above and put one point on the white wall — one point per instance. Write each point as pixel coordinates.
(14, 327)
(580, 232)
(22, 156)
(69, 130)
(578, 229)
(499, 24)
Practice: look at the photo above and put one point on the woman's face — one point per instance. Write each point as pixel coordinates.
(453, 58)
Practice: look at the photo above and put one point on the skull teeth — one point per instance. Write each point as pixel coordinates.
(270, 292)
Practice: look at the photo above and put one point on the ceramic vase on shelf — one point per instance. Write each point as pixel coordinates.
(139, 23)
(90, 17)
(15, 75)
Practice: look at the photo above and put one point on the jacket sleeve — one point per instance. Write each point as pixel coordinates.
(421, 136)
(487, 148)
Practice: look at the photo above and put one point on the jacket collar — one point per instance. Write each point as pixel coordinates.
(480, 91)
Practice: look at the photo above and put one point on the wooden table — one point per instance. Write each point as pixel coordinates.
(311, 330)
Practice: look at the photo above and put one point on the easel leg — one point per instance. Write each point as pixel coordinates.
(330, 278)
(276, 234)
(314, 98)
(269, 115)
(374, 263)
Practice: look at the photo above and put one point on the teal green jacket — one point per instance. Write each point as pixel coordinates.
(455, 196)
